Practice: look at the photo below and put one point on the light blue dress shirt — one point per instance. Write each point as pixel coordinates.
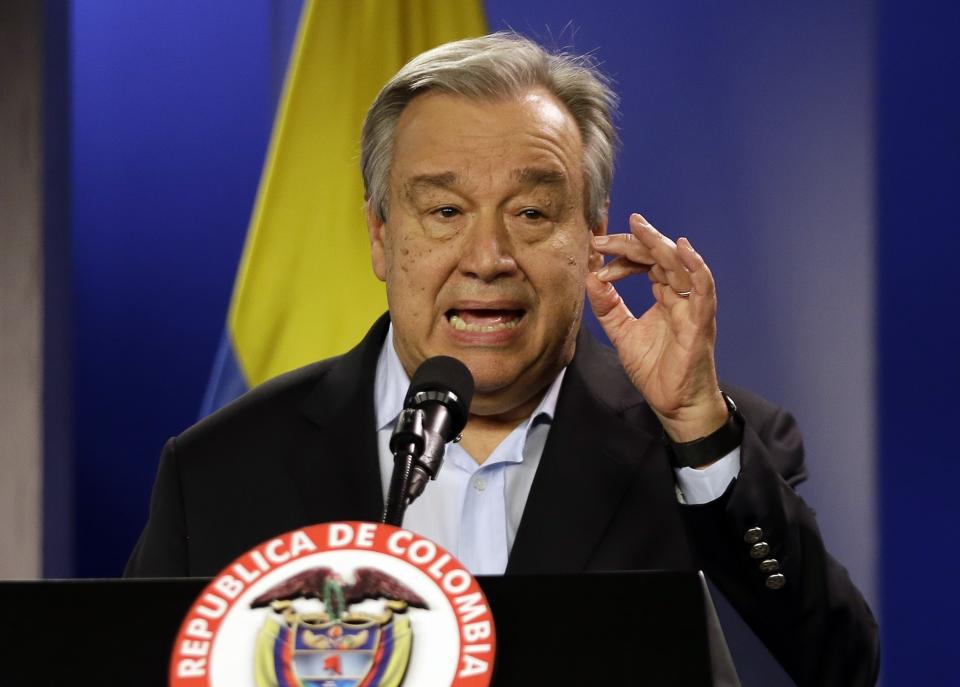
(472, 510)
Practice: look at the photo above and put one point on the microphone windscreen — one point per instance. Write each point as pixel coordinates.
(444, 374)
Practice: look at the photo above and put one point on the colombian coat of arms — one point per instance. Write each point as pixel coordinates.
(342, 604)
(335, 646)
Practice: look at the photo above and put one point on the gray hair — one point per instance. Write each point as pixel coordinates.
(494, 67)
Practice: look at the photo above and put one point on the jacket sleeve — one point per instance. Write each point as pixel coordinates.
(161, 550)
(817, 623)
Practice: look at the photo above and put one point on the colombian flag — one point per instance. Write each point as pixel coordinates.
(304, 288)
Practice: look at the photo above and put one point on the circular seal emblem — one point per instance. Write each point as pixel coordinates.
(344, 604)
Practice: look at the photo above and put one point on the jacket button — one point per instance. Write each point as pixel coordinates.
(753, 535)
(769, 566)
(776, 581)
(759, 550)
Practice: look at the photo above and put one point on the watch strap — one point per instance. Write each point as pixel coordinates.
(711, 448)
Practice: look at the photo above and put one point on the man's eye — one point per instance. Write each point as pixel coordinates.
(446, 212)
(530, 213)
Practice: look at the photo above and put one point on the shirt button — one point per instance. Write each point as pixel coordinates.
(479, 484)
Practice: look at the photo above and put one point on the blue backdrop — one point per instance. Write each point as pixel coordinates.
(918, 237)
(808, 151)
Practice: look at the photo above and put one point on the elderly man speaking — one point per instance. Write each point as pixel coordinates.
(487, 165)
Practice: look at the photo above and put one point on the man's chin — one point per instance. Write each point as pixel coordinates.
(501, 391)
(491, 373)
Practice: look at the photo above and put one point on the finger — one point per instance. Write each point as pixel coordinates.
(630, 251)
(670, 299)
(658, 275)
(623, 245)
(608, 307)
(703, 289)
(621, 267)
(664, 252)
(648, 234)
(665, 296)
(686, 329)
(700, 276)
(678, 280)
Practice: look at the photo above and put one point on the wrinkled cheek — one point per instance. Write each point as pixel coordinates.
(411, 285)
(577, 268)
(573, 253)
(565, 286)
(407, 258)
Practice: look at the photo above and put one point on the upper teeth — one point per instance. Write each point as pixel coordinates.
(458, 323)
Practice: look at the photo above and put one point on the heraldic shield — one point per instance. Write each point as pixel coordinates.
(335, 647)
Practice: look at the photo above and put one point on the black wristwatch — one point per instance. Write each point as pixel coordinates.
(713, 447)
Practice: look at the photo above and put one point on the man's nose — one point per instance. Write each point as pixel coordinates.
(488, 250)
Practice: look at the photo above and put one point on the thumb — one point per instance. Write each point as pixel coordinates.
(608, 307)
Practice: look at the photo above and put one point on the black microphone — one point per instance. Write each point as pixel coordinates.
(435, 411)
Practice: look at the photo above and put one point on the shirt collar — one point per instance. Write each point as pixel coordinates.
(392, 382)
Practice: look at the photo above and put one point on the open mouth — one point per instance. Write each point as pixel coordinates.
(484, 320)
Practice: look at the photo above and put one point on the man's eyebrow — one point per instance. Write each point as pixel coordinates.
(426, 181)
(538, 176)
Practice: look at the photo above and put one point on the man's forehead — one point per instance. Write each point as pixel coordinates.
(540, 176)
(452, 142)
(534, 176)
(435, 118)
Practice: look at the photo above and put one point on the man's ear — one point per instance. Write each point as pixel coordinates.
(375, 230)
(595, 261)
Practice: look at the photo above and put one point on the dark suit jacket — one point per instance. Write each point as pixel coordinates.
(301, 449)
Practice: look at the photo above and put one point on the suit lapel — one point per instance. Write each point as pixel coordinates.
(592, 458)
(338, 472)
